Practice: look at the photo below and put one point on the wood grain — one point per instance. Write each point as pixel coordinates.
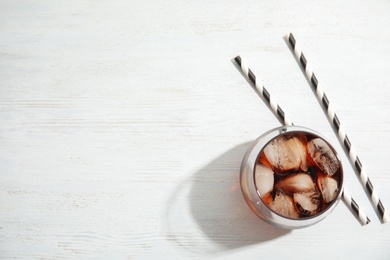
(123, 125)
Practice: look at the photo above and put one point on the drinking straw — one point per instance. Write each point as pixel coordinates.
(353, 206)
(284, 120)
(263, 92)
(338, 128)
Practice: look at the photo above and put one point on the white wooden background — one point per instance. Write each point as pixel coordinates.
(123, 124)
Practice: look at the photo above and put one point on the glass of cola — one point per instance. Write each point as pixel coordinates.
(291, 177)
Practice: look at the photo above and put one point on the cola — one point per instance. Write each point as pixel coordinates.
(291, 177)
(297, 175)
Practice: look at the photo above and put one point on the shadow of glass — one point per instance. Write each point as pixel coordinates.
(219, 218)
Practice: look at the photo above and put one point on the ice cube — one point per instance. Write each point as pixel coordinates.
(280, 155)
(283, 204)
(323, 156)
(296, 183)
(307, 203)
(264, 178)
(299, 149)
(328, 187)
(263, 160)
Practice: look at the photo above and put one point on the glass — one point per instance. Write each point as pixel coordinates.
(291, 177)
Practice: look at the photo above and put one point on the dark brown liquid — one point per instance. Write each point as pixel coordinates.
(307, 175)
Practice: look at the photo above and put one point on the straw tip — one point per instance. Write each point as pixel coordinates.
(291, 39)
(238, 59)
(385, 219)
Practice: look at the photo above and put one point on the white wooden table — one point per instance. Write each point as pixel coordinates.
(123, 125)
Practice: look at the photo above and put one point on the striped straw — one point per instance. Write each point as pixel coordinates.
(342, 136)
(284, 120)
(353, 206)
(262, 91)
